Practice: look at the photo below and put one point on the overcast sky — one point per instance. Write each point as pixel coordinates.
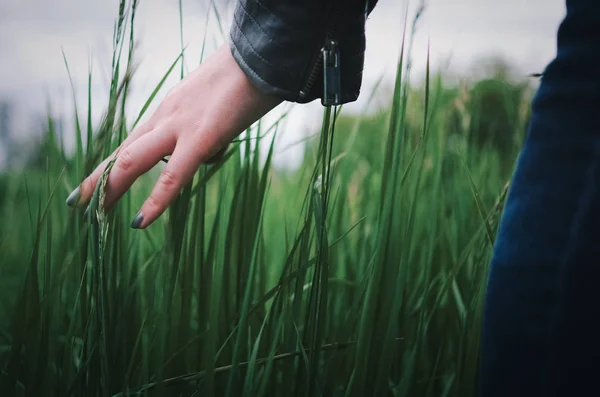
(33, 32)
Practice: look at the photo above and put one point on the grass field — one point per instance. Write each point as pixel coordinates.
(360, 274)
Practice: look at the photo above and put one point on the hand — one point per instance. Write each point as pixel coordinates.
(198, 118)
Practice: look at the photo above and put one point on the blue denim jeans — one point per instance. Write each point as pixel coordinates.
(541, 333)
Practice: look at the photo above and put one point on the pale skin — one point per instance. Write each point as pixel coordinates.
(198, 118)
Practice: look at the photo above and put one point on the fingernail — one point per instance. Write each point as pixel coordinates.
(73, 198)
(137, 220)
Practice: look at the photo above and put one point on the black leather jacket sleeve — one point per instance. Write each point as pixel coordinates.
(278, 44)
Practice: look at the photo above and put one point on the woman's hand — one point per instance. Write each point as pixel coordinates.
(198, 118)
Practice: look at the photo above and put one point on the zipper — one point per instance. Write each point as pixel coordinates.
(333, 55)
(332, 85)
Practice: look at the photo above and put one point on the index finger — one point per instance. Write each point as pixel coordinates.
(83, 192)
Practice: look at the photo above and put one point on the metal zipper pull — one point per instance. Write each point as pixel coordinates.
(332, 86)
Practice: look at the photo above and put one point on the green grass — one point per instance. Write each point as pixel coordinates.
(360, 274)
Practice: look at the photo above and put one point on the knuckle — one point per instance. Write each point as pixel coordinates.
(153, 202)
(172, 109)
(170, 129)
(168, 179)
(195, 125)
(125, 160)
(171, 104)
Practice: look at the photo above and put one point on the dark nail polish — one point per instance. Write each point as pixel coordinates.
(73, 198)
(137, 220)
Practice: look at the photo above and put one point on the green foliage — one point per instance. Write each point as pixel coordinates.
(495, 106)
(360, 274)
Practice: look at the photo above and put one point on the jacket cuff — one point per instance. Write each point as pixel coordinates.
(278, 44)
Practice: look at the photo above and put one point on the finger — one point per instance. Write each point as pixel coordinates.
(179, 170)
(83, 193)
(135, 160)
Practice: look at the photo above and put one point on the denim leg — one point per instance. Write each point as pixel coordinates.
(541, 333)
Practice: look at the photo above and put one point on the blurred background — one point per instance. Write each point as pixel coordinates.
(468, 38)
